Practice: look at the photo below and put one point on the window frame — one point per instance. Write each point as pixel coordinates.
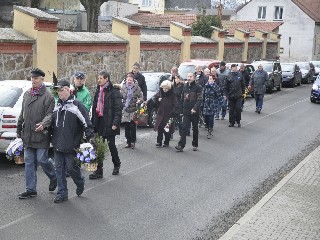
(275, 13)
(146, 3)
(265, 13)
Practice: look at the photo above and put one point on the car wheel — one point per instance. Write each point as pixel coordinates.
(269, 88)
(292, 83)
(312, 100)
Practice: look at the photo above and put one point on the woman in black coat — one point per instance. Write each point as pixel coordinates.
(167, 104)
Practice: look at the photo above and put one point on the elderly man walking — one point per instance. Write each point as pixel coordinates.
(259, 80)
(70, 122)
(33, 127)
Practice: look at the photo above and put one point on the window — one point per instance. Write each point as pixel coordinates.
(147, 3)
(278, 13)
(262, 13)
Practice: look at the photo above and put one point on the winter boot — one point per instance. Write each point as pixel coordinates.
(209, 135)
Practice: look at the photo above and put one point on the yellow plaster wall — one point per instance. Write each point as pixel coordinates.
(176, 32)
(120, 29)
(241, 36)
(215, 36)
(259, 35)
(24, 23)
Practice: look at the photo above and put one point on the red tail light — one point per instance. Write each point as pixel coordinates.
(9, 126)
(8, 116)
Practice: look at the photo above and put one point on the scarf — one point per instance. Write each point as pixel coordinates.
(129, 95)
(36, 91)
(100, 103)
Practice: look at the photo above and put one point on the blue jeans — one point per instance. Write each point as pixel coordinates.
(33, 156)
(209, 120)
(65, 161)
(222, 107)
(259, 101)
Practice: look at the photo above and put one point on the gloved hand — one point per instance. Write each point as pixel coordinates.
(92, 142)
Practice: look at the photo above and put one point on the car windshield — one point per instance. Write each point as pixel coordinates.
(183, 70)
(316, 64)
(304, 65)
(151, 81)
(9, 95)
(287, 67)
(267, 66)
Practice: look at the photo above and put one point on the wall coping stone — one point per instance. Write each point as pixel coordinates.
(88, 37)
(254, 40)
(145, 38)
(181, 25)
(271, 41)
(243, 30)
(34, 12)
(127, 21)
(199, 39)
(220, 30)
(11, 35)
(264, 32)
(232, 40)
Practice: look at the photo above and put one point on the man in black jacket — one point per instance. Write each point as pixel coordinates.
(190, 102)
(141, 80)
(106, 118)
(233, 90)
(70, 120)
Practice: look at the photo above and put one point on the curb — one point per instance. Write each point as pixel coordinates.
(245, 218)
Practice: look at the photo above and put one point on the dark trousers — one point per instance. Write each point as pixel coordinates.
(114, 153)
(186, 121)
(235, 110)
(130, 131)
(162, 132)
(209, 120)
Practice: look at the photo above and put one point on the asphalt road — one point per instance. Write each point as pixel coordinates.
(162, 194)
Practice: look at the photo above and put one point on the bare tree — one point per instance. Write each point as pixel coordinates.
(93, 9)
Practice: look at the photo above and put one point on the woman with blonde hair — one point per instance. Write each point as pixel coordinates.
(167, 104)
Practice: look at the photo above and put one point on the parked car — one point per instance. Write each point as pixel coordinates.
(273, 68)
(250, 69)
(190, 66)
(291, 74)
(307, 71)
(316, 65)
(315, 91)
(153, 81)
(11, 96)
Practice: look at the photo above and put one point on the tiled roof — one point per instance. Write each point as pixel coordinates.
(310, 7)
(162, 20)
(250, 26)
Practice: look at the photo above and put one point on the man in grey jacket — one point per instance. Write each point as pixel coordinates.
(259, 80)
(33, 127)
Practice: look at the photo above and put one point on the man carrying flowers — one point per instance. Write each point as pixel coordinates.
(33, 125)
(70, 121)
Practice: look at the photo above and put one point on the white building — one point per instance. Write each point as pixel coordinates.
(300, 31)
(154, 6)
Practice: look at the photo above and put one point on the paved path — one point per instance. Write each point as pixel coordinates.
(290, 211)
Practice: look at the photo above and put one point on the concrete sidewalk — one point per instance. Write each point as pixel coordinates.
(289, 211)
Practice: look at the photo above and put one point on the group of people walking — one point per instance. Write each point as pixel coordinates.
(65, 122)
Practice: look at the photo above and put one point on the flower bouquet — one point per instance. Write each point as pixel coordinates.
(89, 156)
(15, 151)
(140, 115)
(168, 125)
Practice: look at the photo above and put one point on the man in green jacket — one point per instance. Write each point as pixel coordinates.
(82, 93)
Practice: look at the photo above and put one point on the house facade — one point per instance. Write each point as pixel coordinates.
(154, 6)
(300, 30)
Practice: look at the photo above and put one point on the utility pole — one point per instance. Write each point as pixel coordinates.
(220, 11)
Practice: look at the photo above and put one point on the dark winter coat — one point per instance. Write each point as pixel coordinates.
(178, 89)
(70, 120)
(234, 87)
(246, 77)
(142, 84)
(112, 111)
(259, 80)
(191, 98)
(167, 108)
(200, 79)
(211, 97)
(36, 109)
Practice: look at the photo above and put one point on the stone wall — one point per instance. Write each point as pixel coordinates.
(254, 52)
(15, 66)
(232, 54)
(159, 60)
(92, 63)
(271, 51)
(204, 53)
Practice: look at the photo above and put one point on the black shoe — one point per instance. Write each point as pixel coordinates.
(158, 145)
(80, 190)
(165, 145)
(128, 146)
(194, 148)
(239, 124)
(231, 124)
(59, 199)
(258, 111)
(179, 148)
(95, 175)
(115, 170)
(52, 185)
(133, 145)
(27, 194)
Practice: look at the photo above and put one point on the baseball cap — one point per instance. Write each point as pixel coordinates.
(234, 65)
(80, 75)
(36, 72)
(62, 83)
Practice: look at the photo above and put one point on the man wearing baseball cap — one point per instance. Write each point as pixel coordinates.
(82, 92)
